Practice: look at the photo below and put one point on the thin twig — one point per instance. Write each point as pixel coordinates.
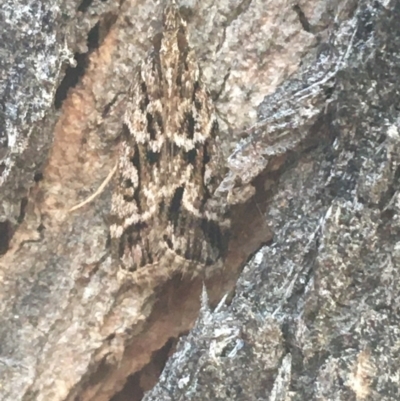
(99, 190)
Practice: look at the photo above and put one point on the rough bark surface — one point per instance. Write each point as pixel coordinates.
(313, 315)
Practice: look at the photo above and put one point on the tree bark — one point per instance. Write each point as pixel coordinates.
(313, 315)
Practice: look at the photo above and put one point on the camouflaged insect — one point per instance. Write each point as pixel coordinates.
(164, 217)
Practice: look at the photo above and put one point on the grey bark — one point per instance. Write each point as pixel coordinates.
(315, 316)
(314, 313)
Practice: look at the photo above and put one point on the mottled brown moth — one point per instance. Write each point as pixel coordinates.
(165, 218)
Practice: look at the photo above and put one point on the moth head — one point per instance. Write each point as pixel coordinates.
(172, 18)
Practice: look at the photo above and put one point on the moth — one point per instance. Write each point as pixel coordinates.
(164, 216)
